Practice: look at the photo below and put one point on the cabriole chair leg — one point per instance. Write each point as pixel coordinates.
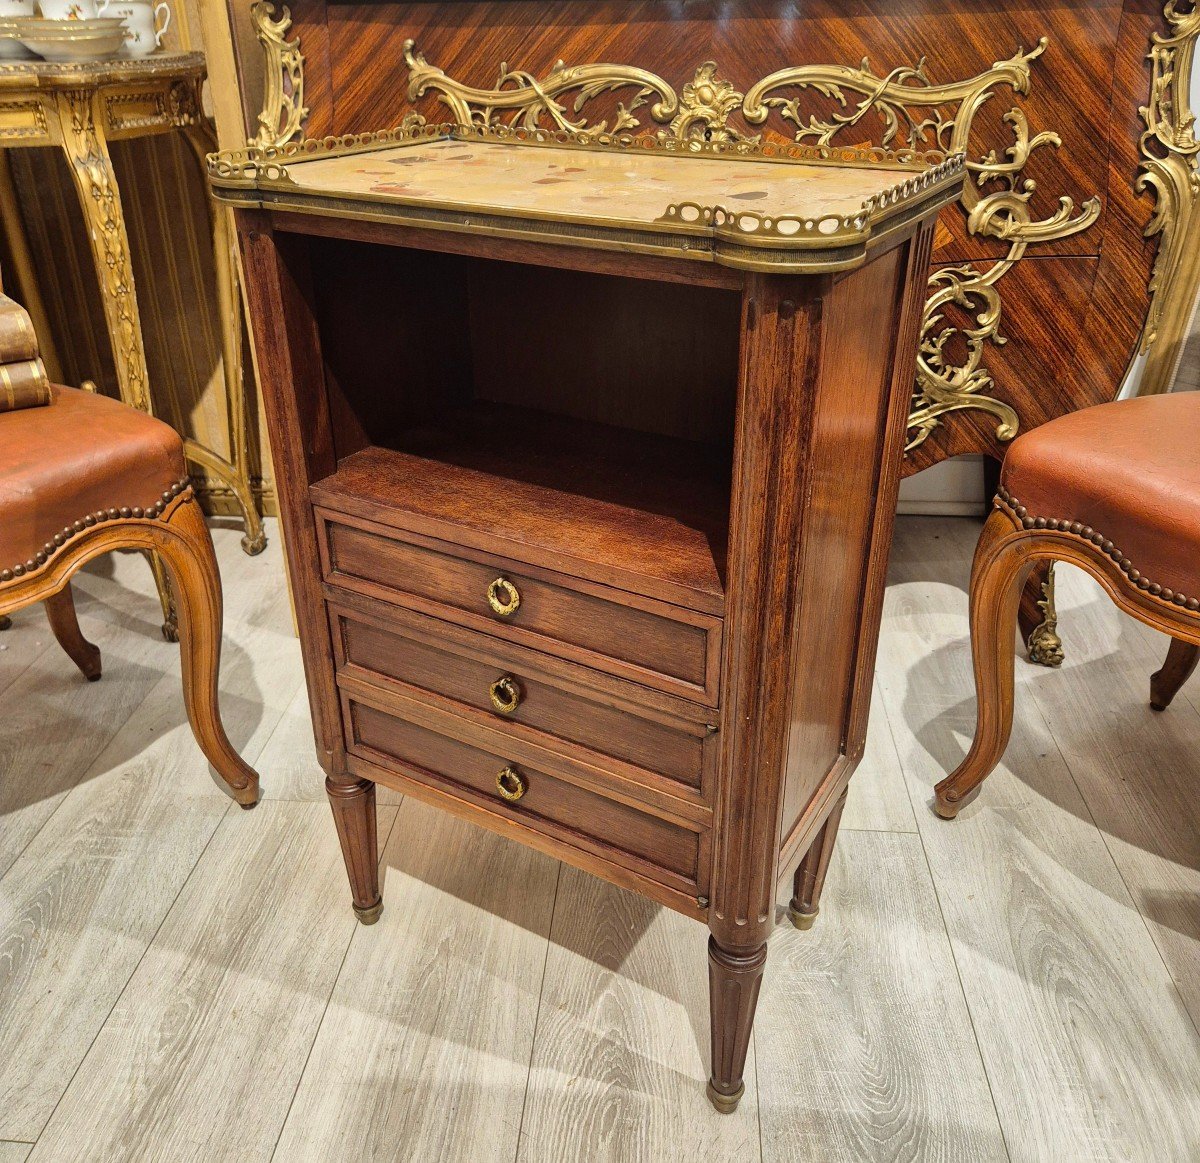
(60, 610)
(998, 576)
(1176, 670)
(186, 552)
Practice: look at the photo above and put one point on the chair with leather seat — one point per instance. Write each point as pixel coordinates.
(80, 475)
(1115, 490)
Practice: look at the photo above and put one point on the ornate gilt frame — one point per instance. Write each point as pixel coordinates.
(952, 373)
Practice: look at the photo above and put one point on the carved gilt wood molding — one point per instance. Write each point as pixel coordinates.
(1171, 153)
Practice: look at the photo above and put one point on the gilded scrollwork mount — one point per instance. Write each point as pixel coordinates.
(903, 107)
(1171, 170)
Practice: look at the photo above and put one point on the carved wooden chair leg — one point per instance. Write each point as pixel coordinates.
(998, 574)
(60, 610)
(186, 552)
(353, 804)
(810, 876)
(1176, 670)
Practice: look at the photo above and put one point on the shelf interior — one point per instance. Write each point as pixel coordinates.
(579, 422)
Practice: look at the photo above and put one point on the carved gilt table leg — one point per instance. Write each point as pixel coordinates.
(236, 471)
(81, 135)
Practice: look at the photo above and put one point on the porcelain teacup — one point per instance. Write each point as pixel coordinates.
(72, 9)
(142, 20)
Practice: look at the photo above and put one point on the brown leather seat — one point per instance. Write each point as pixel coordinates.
(108, 461)
(1125, 475)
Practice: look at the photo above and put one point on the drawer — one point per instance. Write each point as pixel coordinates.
(641, 639)
(512, 686)
(658, 849)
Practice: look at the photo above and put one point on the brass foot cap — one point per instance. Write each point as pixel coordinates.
(253, 546)
(725, 1104)
(369, 915)
(947, 809)
(803, 921)
(170, 631)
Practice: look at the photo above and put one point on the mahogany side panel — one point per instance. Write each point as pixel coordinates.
(848, 417)
(279, 299)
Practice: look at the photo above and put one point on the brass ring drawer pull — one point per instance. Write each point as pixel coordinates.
(505, 694)
(502, 596)
(511, 784)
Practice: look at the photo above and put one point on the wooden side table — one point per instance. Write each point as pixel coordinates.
(79, 108)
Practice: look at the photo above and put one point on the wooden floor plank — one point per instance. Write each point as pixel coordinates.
(119, 612)
(27, 637)
(1088, 1049)
(865, 1046)
(622, 1052)
(288, 764)
(14, 1152)
(80, 904)
(424, 1049)
(202, 1054)
(55, 723)
(878, 799)
(1138, 770)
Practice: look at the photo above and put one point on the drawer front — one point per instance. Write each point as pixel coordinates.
(500, 680)
(650, 642)
(655, 848)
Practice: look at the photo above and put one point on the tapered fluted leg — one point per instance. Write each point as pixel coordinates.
(734, 977)
(1176, 670)
(810, 876)
(997, 578)
(353, 804)
(189, 561)
(60, 610)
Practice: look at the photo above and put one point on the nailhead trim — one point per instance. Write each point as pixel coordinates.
(97, 518)
(1087, 533)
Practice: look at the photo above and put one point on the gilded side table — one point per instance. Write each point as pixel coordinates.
(79, 107)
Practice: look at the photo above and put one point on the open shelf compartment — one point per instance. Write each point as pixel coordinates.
(579, 422)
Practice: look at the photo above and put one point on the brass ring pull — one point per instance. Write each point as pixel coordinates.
(502, 596)
(511, 784)
(505, 694)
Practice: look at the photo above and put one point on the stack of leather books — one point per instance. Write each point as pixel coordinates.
(23, 382)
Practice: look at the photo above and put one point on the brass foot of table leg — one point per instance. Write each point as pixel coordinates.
(803, 921)
(725, 1104)
(252, 546)
(369, 915)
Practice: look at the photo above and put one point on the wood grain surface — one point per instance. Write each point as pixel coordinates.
(436, 1004)
(854, 1082)
(1066, 987)
(1074, 886)
(1087, 88)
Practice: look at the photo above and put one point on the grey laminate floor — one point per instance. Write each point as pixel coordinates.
(183, 980)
